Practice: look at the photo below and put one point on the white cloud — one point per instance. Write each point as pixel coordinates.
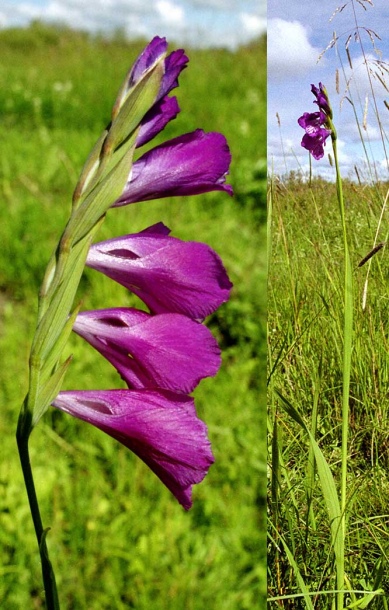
(253, 24)
(225, 5)
(171, 13)
(63, 12)
(197, 22)
(290, 54)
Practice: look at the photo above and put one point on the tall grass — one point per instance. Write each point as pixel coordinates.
(305, 342)
(328, 394)
(118, 539)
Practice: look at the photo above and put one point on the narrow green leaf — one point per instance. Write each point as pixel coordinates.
(310, 478)
(301, 582)
(49, 391)
(326, 479)
(89, 170)
(55, 318)
(275, 470)
(55, 355)
(365, 601)
(101, 197)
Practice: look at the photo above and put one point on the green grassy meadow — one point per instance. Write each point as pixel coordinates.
(118, 539)
(305, 334)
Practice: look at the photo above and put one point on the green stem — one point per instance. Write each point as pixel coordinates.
(22, 437)
(347, 347)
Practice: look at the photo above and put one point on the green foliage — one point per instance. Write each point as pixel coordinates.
(118, 539)
(305, 366)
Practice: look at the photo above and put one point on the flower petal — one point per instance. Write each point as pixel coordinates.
(161, 428)
(156, 119)
(315, 134)
(312, 120)
(168, 351)
(168, 274)
(321, 98)
(315, 143)
(173, 65)
(191, 164)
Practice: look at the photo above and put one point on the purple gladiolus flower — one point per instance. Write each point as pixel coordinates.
(161, 355)
(191, 164)
(168, 351)
(167, 274)
(161, 428)
(315, 134)
(318, 125)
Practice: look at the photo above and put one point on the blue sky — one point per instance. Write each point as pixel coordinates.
(201, 23)
(297, 36)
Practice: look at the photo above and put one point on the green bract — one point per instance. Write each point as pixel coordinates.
(102, 181)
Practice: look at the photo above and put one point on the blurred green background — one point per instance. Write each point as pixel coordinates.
(118, 539)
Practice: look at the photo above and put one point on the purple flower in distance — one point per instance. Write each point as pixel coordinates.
(161, 428)
(168, 351)
(190, 164)
(315, 133)
(166, 273)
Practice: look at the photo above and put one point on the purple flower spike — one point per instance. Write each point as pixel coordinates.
(168, 274)
(168, 351)
(191, 164)
(161, 428)
(318, 125)
(315, 135)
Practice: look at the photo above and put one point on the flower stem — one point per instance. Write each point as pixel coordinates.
(22, 437)
(347, 347)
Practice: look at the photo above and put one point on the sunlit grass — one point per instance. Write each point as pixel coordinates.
(305, 362)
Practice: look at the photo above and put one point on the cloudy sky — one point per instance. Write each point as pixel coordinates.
(297, 37)
(227, 23)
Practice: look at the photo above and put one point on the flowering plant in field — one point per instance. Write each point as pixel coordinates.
(162, 354)
(318, 125)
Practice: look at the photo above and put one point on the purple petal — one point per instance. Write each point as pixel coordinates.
(321, 98)
(161, 428)
(191, 164)
(174, 64)
(168, 274)
(315, 143)
(156, 119)
(312, 120)
(315, 134)
(168, 351)
(149, 56)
